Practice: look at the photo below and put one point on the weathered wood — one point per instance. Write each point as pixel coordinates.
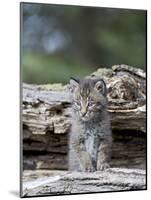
(62, 182)
(50, 151)
(46, 119)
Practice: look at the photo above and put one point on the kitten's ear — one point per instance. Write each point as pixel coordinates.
(74, 83)
(101, 86)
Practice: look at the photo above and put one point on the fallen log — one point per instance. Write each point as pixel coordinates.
(46, 120)
(63, 182)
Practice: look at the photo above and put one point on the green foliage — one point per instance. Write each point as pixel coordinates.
(41, 68)
(83, 38)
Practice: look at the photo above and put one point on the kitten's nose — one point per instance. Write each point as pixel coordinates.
(83, 112)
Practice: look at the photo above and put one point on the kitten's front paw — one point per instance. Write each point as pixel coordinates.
(89, 168)
(103, 166)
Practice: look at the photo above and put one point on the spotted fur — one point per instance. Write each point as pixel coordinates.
(90, 139)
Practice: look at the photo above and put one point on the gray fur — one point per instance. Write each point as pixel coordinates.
(90, 139)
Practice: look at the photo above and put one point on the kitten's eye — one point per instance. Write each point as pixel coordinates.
(76, 103)
(91, 103)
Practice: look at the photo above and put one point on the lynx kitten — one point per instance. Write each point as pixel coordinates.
(90, 139)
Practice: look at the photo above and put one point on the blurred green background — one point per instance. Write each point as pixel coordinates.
(61, 41)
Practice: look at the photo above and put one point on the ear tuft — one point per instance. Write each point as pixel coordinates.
(74, 83)
(101, 86)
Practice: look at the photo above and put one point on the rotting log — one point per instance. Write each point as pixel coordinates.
(46, 120)
(63, 182)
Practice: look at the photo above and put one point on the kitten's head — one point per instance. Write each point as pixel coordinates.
(88, 97)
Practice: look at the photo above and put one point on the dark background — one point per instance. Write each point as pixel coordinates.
(62, 41)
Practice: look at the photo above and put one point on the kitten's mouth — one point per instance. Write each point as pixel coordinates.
(85, 117)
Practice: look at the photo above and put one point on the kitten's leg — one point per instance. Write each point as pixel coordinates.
(104, 154)
(73, 161)
(83, 157)
(86, 162)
